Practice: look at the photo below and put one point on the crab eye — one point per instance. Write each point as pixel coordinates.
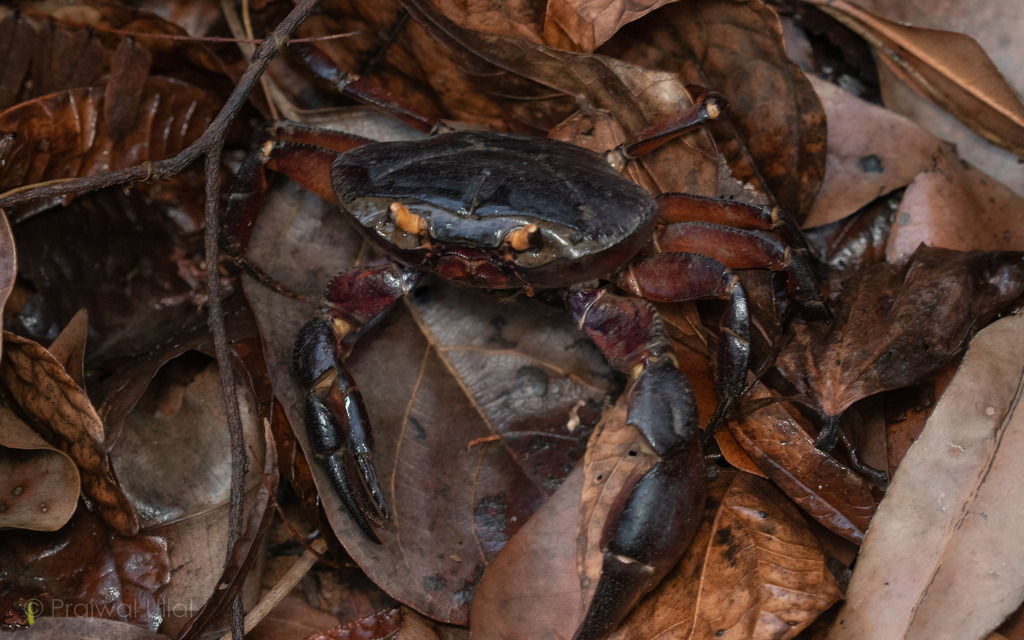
(523, 238)
(406, 220)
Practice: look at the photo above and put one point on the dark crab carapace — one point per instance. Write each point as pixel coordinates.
(512, 212)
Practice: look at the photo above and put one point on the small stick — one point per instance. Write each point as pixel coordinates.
(283, 586)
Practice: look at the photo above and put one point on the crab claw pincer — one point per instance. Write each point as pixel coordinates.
(659, 518)
(338, 425)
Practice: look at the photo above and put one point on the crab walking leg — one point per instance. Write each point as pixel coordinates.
(335, 416)
(742, 236)
(660, 517)
(303, 153)
(680, 277)
(749, 249)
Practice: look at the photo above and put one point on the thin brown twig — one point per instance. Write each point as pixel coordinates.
(212, 138)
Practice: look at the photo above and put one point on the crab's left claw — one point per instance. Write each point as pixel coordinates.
(648, 532)
(336, 419)
(660, 517)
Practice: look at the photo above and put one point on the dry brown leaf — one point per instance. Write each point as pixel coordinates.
(532, 589)
(995, 26)
(826, 489)
(951, 68)
(590, 23)
(942, 558)
(755, 571)
(68, 349)
(44, 390)
(8, 262)
(40, 484)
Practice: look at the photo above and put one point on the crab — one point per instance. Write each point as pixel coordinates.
(540, 217)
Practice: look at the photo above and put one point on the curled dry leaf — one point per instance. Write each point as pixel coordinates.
(951, 68)
(736, 49)
(826, 489)
(64, 135)
(755, 571)
(44, 390)
(636, 97)
(897, 323)
(942, 558)
(40, 484)
(589, 24)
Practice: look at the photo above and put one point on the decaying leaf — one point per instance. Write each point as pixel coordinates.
(825, 488)
(85, 570)
(755, 571)
(40, 484)
(45, 391)
(949, 67)
(897, 323)
(588, 25)
(942, 558)
(64, 135)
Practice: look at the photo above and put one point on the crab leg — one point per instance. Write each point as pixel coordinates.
(742, 236)
(680, 277)
(658, 520)
(335, 416)
(749, 249)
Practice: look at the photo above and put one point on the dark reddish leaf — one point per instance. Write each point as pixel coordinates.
(128, 72)
(382, 624)
(18, 33)
(896, 324)
(85, 571)
(64, 135)
(125, 258)
(825, 488)
(65, 59)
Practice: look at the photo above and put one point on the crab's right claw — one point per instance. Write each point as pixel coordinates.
(338, 427)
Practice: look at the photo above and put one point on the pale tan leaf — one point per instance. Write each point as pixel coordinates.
(943, 557)
(951, 68)
(871, 152)
(591, 23)
(953, 206)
